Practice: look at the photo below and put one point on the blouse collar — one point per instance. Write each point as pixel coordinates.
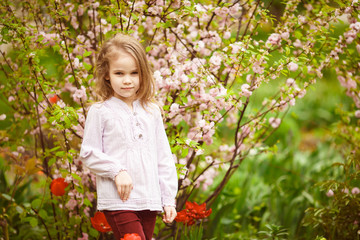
(124, 105)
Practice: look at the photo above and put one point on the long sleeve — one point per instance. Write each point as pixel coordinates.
(166, 166)
(91, 151)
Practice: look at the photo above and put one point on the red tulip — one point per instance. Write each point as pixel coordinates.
(58, 186)
(184, 217)
(131, 236)
(191, 212)
(54, 99)
(99, 222)
(198, 211)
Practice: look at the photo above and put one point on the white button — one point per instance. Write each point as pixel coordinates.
(137, 124)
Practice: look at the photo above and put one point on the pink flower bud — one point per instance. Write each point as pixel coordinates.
(330, 193)
(355, 190)
(293, 66)
(357, 113)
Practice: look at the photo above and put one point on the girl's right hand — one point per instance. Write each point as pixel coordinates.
(124, 185)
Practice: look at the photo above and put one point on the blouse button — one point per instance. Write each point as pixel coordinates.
(140, 135)
(134, 113)
(137, 124)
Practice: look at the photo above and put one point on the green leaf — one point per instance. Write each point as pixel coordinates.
(36, 203)
(7, 197)
(51, 161)
(43, 214)
(33, 222)
(87, 202)
(75, 176)
(87, 66)
(93, 232)
(160, 25)
(184, 152)
(87, 53)
(19, 209)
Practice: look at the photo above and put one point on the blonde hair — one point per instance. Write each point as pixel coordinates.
(103, 89)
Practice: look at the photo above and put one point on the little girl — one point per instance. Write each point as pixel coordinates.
(125, 143)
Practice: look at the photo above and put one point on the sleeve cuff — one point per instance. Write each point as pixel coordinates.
(114, 173)
(168, 202)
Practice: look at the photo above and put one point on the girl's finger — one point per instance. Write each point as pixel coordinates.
(121, 193)
(168, 216)
(126, 192)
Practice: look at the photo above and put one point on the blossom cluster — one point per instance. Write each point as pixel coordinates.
(210, 61)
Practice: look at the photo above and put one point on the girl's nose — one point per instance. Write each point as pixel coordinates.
(127, 80)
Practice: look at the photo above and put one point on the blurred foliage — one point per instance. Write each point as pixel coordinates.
(270, 193)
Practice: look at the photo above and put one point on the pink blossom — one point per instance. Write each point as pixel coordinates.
(245, 131)
(201, 123)
(85, 236)
(227, 35)
(293, 66)
(298, 43)
(274, 39)
(216, 60)
(245, 90)
(285, 35)
(292, 102)
(351, 84)
(174, 107)
(236, 47)
(257, 68)
(96, 5)
(80, 10)
(156, 10)
(290, 81)
(222, 12)
(11, 98)
(355, 26)
(199, 8)
(74, 22)
(160, 2)
(301, 93)
(235, 9)
(309, 7)
(358, 48)
(355, 190)
(3, 116)
(274, 122)
(330, 193)
(76, 63)
(80, 94)
(71, 204)
(301, 19)
(199, 152)
(350, 35)
(357, 113)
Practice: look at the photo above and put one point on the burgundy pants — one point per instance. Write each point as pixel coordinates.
(124, 221)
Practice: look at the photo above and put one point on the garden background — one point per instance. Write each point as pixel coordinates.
(261, 106)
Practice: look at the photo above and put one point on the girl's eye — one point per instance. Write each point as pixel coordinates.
(118, 73)
(135, 73)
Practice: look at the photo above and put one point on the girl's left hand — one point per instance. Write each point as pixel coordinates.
(170, 214)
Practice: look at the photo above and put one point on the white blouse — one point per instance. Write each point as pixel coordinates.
(116, 138)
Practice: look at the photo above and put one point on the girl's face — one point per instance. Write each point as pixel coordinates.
(124, 76)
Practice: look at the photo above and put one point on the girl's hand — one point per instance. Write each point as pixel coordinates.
(124, 185)
(170, 214)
